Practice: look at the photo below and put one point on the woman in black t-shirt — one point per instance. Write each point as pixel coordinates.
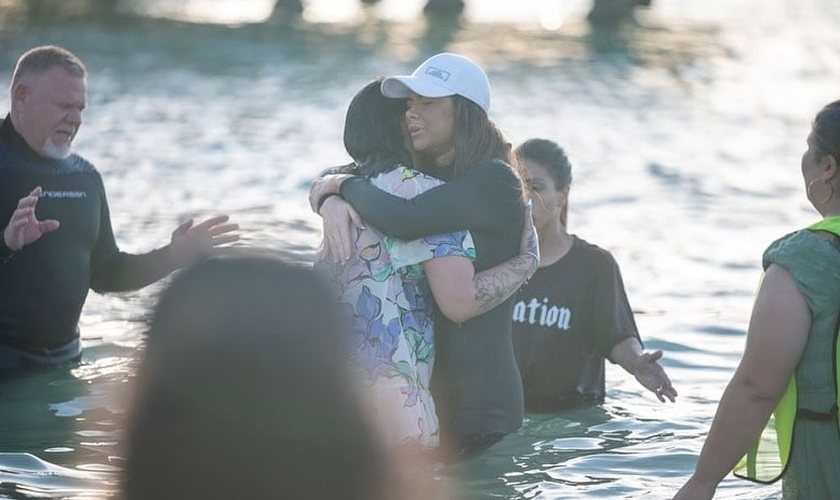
(573, 313)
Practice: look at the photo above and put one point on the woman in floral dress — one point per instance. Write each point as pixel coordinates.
(382, 287)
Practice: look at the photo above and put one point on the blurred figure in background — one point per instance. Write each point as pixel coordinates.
(244, 392)
(573, 314)
(790, 361)
(601, 11)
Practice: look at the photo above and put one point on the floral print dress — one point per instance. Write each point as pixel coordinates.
(389, 310)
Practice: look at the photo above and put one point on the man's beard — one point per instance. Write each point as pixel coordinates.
(51, 150)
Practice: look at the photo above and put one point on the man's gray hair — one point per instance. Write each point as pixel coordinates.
(39, 60)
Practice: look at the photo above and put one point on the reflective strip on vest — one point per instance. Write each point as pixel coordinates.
(767, 458)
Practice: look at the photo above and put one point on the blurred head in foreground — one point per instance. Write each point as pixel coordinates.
(244, 392)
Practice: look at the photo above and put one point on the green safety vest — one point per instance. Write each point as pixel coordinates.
(767, 459)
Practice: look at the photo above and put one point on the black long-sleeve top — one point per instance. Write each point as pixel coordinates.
(475, 383)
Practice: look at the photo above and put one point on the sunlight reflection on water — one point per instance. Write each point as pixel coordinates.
(685, 160)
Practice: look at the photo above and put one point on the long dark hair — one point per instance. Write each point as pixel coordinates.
(477, 139)
(373, 131)
(551, 156)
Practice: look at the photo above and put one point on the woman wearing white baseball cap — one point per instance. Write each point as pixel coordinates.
(443, 75)
(383, 289)
(475, 383)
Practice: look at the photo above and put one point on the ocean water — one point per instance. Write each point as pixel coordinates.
(684, 128)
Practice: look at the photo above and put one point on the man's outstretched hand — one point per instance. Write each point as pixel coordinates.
(24, 227)
(191, 242)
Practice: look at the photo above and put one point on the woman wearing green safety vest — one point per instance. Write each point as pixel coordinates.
(791, 337)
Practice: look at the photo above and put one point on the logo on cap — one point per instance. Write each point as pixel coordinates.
(440, 74)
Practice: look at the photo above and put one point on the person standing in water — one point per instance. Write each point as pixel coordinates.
(791, 346)
(475, 384)
(573, 314)
(57, 242)
(387, 299)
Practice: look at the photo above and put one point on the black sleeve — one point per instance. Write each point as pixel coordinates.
(5, 252)
(473, 201)
(116, 271)
(613, 319)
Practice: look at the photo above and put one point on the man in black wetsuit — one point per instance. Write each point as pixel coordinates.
(51, 257)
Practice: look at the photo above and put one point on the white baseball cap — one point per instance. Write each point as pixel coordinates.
(442, 75)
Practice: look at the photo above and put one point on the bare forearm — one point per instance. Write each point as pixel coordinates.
(461, 294)
(739, 419)
(626, 353)
(495, 285)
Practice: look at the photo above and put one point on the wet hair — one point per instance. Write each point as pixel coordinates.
(244, 391)
(373, 131)
(551, 156)
(826, 130)
(39, 60)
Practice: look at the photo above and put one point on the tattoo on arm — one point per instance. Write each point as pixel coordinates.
(494, 286)
(533, 249)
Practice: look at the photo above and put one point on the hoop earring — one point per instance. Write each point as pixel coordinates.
(824, 200)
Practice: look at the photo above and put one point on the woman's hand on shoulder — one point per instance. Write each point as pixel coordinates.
(529, 245)
(324, 187)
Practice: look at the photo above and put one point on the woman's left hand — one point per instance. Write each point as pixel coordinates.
(650, 374)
